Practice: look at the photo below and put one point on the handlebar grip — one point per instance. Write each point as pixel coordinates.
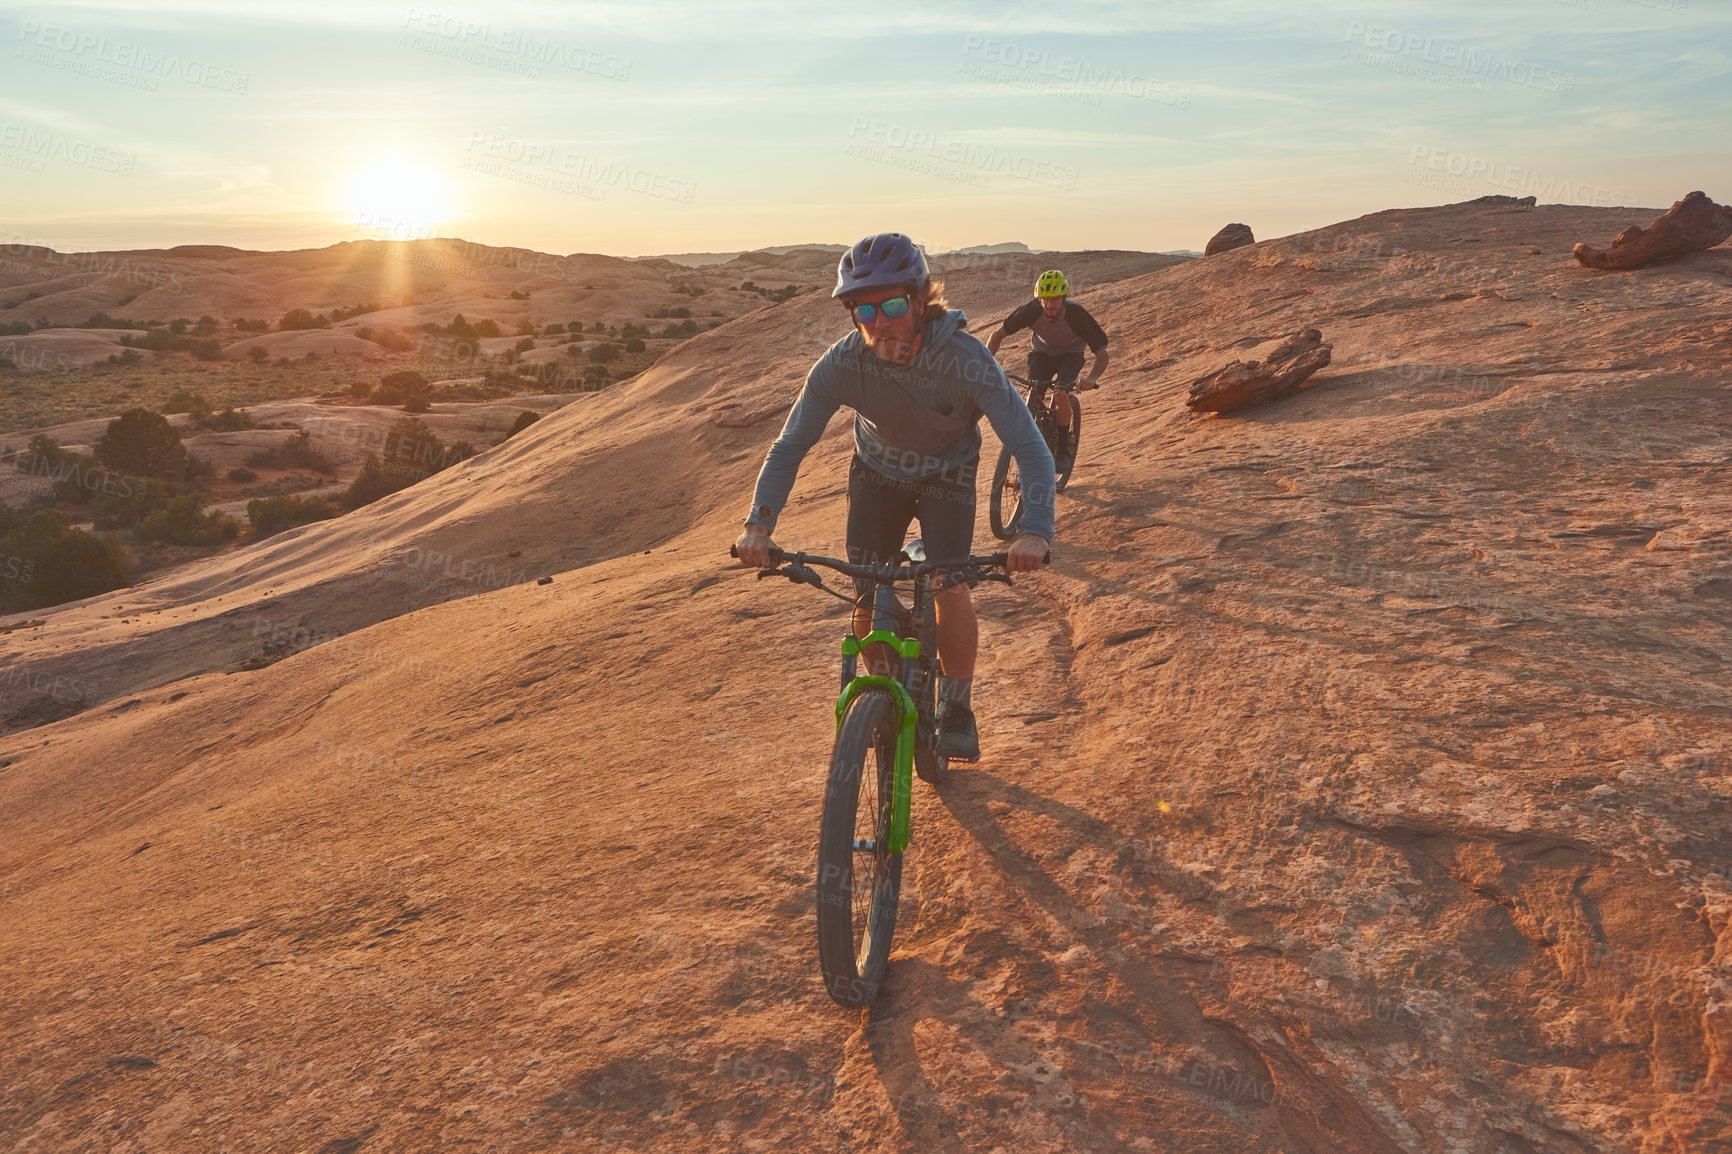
(733, 550)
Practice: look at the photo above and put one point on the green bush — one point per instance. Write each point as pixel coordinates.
(186, 402)
(297, 319)
(296, 452)
(359, 390)
(525, 419)
(416, 403)
(183, 522)
(603, 353)
(242, 475)
(227, 421)
(635, 345)
(405, 380)
(270, 515)
(258, 355)
(524, 345)
(49, 562)
(142, 442)
(129, 502)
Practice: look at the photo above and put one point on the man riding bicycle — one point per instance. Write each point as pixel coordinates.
(918, 384)
(1060, 328)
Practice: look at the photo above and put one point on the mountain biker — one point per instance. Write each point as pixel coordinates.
(918, 384)
(1060, 329)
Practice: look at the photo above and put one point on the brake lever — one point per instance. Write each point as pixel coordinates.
(803, 574)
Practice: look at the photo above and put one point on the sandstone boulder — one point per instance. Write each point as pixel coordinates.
(1244, 384)
(1693, 224)
(1233, 236)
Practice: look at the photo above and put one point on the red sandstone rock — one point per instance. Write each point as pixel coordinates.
(1244, 384)
(1233, 236)
(1693, 224)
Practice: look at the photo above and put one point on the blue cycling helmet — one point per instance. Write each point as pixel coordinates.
(884, 260)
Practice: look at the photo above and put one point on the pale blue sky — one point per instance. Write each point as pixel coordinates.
(676, 125)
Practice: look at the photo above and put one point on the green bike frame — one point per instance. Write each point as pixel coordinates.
(902, 791)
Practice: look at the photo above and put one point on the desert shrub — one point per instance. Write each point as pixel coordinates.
(416, 403)
(258, 355)
(525, 419)
(635, 345)
(242, 324)
(49, 562)
(296, 452)
(394, 340)
(183, 522)
(603, 353)
(142, 442)
(179, 325)
(128, 501)
(552, 329)
(296, 320)
(241, 475)
(486, 328)
(205, 327)
(371, 483)
(227, 421)
(270, 515)
(406, 380)
(524, 345)
(186, 402)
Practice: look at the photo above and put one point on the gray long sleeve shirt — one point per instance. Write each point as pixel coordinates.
(913, 421)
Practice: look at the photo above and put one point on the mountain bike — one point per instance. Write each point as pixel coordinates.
(886, 730)
(1007, 477)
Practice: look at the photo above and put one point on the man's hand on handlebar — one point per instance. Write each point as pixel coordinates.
(1086, 384)
(1027, 553)
(753, 547)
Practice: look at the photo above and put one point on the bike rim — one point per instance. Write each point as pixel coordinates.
(871, 827)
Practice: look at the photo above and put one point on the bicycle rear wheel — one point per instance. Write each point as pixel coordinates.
(859, 880)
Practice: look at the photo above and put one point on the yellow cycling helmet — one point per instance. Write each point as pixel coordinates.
(1051, 284)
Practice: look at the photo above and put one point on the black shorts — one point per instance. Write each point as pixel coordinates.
(1054, 366)
(880, 511)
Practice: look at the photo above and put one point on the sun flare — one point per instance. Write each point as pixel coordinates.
(399, 199)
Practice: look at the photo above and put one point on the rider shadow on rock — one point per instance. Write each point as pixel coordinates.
(1154, 986)
(1024, 1082)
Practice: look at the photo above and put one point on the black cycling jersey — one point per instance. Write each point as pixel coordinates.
(1067, 333)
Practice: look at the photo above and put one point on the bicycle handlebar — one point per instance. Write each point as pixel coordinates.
(1065, 386)
(897, 572)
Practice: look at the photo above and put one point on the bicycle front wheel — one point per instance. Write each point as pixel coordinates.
(859, 879)
(1004, 503)
(1063, 478)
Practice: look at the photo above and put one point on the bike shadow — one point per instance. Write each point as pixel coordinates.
(923, 991)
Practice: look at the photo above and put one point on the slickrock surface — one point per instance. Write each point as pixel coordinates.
(1355, 781)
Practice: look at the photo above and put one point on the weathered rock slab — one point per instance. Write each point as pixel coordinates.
(1245, 384)
(1691, 225)
(1231, 237)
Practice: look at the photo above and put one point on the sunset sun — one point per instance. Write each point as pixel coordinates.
(398, 198)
